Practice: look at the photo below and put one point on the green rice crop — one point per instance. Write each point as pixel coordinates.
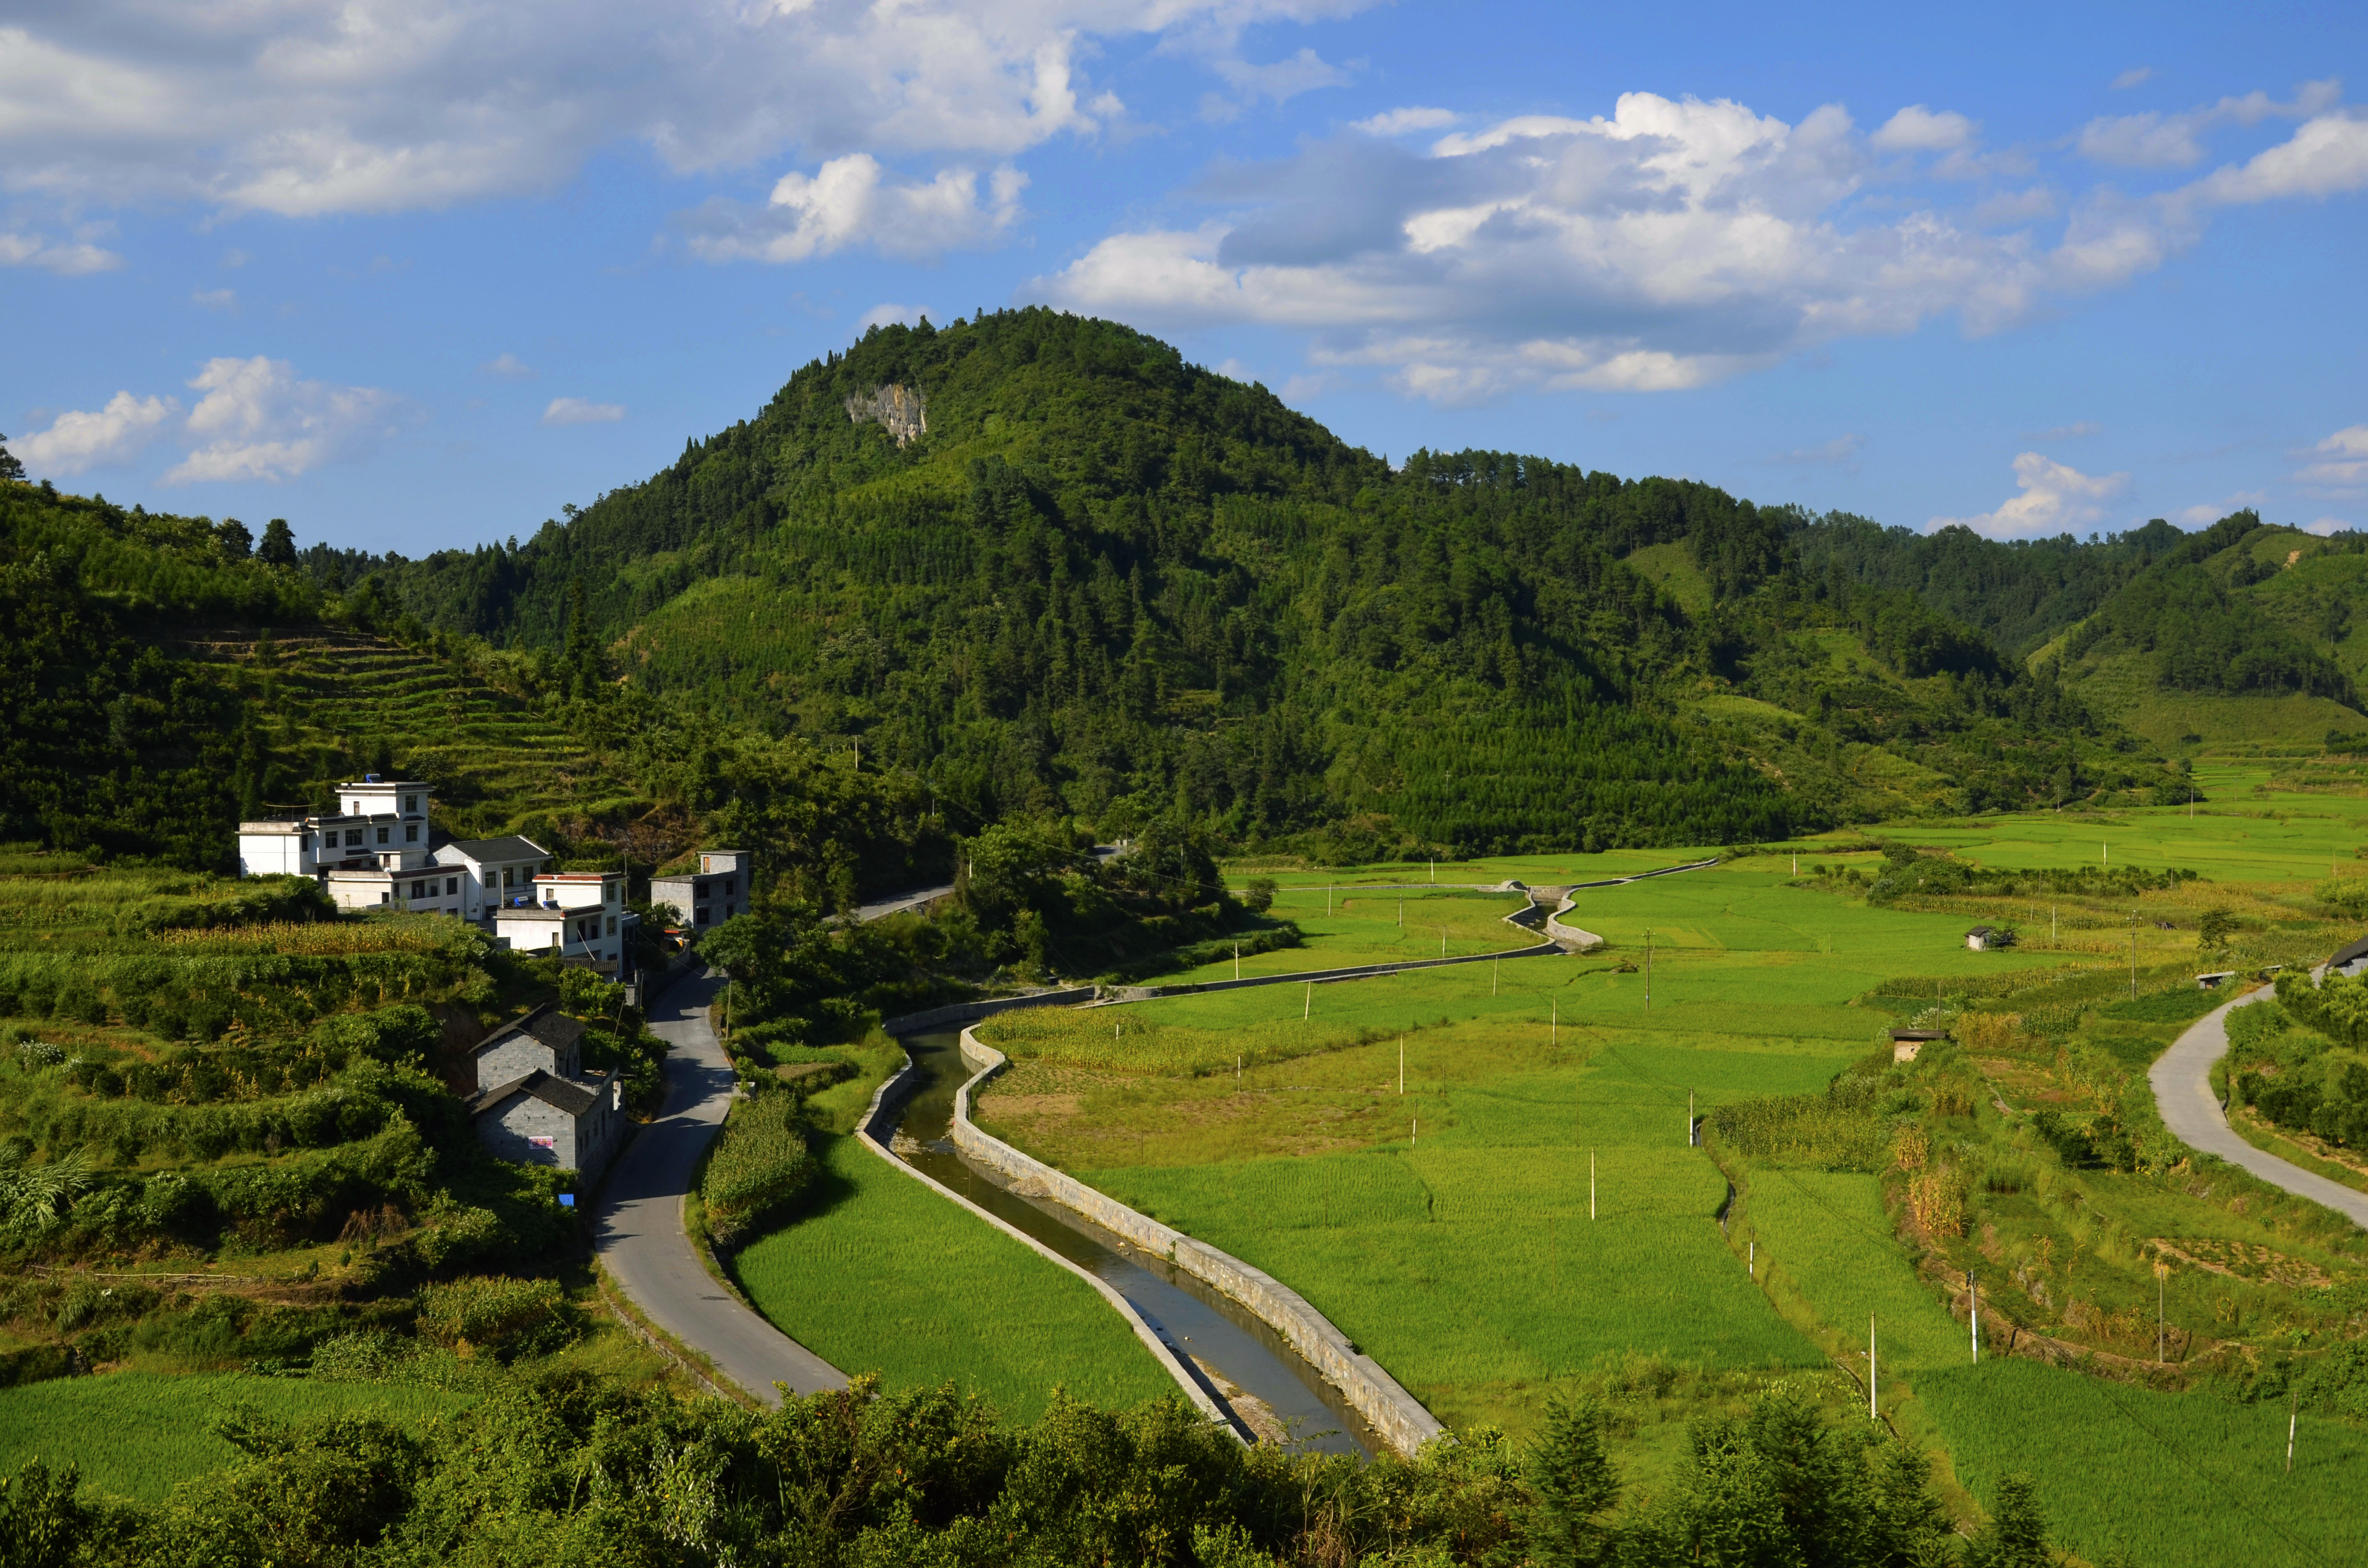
(1831, 1242)
(1127, 1040)
(1345, 928)
(1472, 1271)
(2177, 1481)
(135, 1434)
(881, 1274)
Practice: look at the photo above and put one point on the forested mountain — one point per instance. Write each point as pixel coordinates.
(1036, 567)
(1107, 583)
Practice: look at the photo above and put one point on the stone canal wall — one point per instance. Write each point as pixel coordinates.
(1393, 1414)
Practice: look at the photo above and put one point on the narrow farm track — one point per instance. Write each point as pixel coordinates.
(2181, 1078)
(640, 1236)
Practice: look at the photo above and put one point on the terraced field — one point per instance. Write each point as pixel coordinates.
(347, 700)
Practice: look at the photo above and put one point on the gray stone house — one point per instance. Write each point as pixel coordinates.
(711, 895)
(533, 1103)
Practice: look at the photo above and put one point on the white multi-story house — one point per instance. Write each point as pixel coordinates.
(368, 854)
(571, 914)
(708, 896)
(495, 872)
(373, 852)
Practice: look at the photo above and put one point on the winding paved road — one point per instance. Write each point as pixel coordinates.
(640, 1236)
(2182, 1093)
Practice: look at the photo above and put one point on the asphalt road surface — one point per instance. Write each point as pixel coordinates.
(2182, 1093)
(640, 1235)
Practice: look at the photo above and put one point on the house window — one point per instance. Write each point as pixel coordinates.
(451, 886)
(700, 919)
(506, 875)
(381, 836)
(728, 887)
(410, 834)
(386, 897)
(353, 838)
(419, 890)
(411, 805)
(612, 924)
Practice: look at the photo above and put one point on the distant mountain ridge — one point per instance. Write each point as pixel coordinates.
(1105, 583)
(1038, 567)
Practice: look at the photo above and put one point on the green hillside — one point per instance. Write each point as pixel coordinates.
(2245, 636)
(1109, 584)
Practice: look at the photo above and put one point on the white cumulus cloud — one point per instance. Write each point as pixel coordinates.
(259, 421)
(2054, 499)
(2134, 77)
(506, 366)
(2342, 460)
(1916, 129)
(2159, 141)
(883, 314)
(1398, 121)
(1671, 243)
(379, 105)
(580, 411)
(215, 299)
(76, 440)
(67, 258)
(852, 201)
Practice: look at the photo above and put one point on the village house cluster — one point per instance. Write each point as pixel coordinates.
(375, 852)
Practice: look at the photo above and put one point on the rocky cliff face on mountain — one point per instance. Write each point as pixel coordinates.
(902, 411)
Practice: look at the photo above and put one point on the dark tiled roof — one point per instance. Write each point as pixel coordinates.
(2358, 950)
(512, 848)
(562, 1094)
(546, 1023)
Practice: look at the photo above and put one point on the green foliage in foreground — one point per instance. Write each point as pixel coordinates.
(562, 1469)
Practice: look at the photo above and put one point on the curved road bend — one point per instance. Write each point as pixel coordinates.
(2182, 1093)
(640, 1236)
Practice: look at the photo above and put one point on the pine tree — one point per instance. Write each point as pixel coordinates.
(278, 545)
(10, 467)
(1576, 1487)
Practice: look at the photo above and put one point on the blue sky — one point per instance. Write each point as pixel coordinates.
(414, 274)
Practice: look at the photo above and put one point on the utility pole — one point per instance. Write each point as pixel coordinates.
(1871, 1412)
(1689, 1119)
(1238, 961)
(1401, 1065)
(1974, 1313)
(2133, 953)
(1308, 1006)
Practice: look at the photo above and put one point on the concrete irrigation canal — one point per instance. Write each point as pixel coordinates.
(1247, 1366)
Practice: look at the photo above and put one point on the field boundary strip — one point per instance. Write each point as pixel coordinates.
(1395, 1414)
(1571, 938)
(875, 1131)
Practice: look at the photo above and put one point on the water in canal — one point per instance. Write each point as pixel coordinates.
(1241, 1355)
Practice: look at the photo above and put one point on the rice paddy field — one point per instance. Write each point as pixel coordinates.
(1343, 927)
(881, 1274)
(1445, 1228)
(2167, 1479)
(1445, 1224)
(137, 1434)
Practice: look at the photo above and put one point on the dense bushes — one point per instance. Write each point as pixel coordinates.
(2313, 1078)
(759, 1162)
(562, 1467)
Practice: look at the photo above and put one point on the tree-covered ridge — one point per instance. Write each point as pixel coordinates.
(1110, 585)
(2192, 616)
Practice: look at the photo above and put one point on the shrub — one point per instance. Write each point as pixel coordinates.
(759, 1163)
(497, 1316)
